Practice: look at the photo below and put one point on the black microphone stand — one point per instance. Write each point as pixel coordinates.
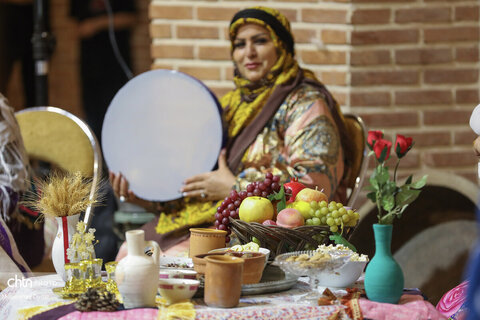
(43, 44)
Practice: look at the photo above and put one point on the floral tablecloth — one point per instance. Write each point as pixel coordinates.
(291, 304)
(31, 292)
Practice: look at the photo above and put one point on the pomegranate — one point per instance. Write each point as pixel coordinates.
(291, 189)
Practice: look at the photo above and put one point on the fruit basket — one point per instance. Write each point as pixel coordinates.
(282, 240)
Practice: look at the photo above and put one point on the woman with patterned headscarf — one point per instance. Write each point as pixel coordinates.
(279, 119)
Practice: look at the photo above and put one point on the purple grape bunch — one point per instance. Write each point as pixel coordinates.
(229, 206)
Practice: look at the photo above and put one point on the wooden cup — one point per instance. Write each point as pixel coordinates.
(223, 281)
(202, 240)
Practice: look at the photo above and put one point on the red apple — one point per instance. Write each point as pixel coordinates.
(309, 195)
(255, 209)
(290, 218)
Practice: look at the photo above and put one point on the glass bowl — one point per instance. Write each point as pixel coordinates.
(334, 271)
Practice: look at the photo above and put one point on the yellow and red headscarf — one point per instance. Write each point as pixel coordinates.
(243, 104)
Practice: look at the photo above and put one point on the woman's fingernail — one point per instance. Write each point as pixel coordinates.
(184, 194)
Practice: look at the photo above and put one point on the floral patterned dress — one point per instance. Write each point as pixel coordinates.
(301, 140)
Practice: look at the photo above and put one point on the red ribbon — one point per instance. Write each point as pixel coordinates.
(65, 238)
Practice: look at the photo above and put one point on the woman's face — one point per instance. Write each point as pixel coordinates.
(254, 52)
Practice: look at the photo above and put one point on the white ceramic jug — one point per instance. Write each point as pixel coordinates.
(137, 274)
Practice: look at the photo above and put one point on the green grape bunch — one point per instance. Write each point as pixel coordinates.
(332, 214)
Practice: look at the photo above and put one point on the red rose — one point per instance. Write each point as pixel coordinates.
(372, 137)
(402, 145)
(382, 149)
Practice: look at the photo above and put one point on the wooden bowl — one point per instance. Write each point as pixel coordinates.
(262, 250)
(252, 268)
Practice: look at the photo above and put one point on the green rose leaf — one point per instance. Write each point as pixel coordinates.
(402, 209)
(390, 188)
(388, 219)
(406, 196)
(338, 239)
(391, 199)
(280, 196)
(409, 179)
(382, 175)
(420, 183)
(373, 182)
(388, 202)
(372, 196)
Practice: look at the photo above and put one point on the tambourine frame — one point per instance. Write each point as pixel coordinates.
(162, 127)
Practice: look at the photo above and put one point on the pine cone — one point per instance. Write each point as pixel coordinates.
(95, 299)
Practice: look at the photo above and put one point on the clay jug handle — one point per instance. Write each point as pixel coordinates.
(156, 251)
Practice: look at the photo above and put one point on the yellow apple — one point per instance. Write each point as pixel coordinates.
(255, 209)
(309, 195)
(303, 207)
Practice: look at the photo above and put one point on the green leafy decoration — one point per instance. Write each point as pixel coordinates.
(420, 183)
(390, 198)
(372, 196)
(339, 239)
(406, 196)
(280, 197)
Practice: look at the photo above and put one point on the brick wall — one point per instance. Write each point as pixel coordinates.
(406, 66)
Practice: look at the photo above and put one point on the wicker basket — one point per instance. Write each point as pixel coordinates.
(281, 240)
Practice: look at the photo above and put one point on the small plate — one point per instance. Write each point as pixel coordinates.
(273, 280)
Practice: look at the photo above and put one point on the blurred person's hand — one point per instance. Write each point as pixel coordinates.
(476, 146)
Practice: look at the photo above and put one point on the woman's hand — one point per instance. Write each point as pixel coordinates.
(214, 185)
(120, 187)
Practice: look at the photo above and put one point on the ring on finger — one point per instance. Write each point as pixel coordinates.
(203, 195)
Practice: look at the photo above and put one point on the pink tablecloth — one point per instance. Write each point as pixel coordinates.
(410, 307)
(137, 314)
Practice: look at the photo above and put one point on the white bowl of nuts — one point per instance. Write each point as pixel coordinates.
(328, 266)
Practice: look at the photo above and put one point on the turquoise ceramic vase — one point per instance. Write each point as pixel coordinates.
(383, 276)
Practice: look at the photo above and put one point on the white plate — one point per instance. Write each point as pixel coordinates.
(162, 127)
